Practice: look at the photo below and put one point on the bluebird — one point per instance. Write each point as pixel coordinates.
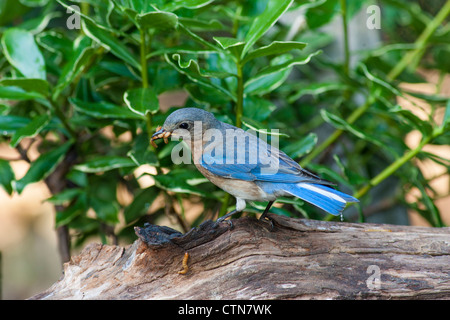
(246, 166)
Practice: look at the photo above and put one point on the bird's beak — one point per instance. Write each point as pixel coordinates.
(160, 134)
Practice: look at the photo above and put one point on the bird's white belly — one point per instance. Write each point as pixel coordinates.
(246, 190)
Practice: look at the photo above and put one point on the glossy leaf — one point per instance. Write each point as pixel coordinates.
(110, 42)
(9, 124)
(157, 20)
(104, 163)
(277, 69)
(302, 146)
(104, 109)
(141, 153)
(22, 52)
(262, 23)
(188, 4)
(6, 176)
(141, 202)
(30, 130)
(80, 57)
(227, 42)
(275, 48)
(192, 70)
(142, 101)
(43, 166)
(17, 93)
(178, 181)
(105, 210)
(39, 86)
(64, 217)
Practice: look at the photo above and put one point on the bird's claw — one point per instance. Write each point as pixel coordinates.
(220, 220)
(270, 221)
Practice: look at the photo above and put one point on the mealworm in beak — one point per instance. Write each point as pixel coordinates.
(152, 142)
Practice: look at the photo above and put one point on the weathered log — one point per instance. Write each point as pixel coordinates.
(298, 259)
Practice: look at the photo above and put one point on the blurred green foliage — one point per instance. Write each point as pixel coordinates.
(76, 91)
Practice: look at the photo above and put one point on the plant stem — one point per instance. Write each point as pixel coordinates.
(240, 95)
(144, 72)
(394, 73)
(62, 118)
(144, 76)
(421, 42)
(336, 134)
(345, 30)
(395, 165)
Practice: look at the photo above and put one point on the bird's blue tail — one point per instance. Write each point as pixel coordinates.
(324, 197)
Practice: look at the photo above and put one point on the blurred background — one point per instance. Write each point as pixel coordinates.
(309, 96)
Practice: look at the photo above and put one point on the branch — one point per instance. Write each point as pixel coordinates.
(299, 259)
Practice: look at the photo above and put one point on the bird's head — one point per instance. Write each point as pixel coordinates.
(192, 121)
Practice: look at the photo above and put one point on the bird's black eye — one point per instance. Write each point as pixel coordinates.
(184, 125)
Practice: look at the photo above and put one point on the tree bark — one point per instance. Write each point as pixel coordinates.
(298, 259)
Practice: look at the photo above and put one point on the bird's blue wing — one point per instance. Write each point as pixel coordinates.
(273, 166)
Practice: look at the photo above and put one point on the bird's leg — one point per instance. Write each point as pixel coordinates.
(240, 206)
(264, 214)
(229, 214)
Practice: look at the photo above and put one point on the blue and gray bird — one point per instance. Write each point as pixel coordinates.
(245, 166)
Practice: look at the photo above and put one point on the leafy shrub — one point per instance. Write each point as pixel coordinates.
(89, 97)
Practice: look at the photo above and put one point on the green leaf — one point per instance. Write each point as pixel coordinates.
(301, 147)
(30, 130)
(141, 202)
(105, 38)
(321, 13)
(39, 86)
(82, 53)
(9, 124)
(269, 78)
(318, 88)
(287, 64)
(276, 47)
(193, 67)
(104, 163)
(67, 215)
(192, 71)
(105, 210)
(414, 121)
(260, 128)
(188, 4)
(340, 123)
(142, 153)
(227, 42)
(17, 93)
(274, 10)
(23, 53)
(65, 196)
(446, 120)
(178, 181)
(43, 166)
(6, 176)
(104, 109)
(142, 101)
(377, 80)
(157, 20)
(257, 108)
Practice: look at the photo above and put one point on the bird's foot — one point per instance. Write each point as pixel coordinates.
(222, 219)
(269, 220)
